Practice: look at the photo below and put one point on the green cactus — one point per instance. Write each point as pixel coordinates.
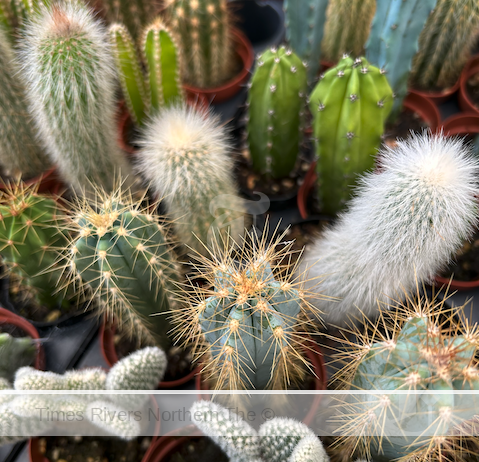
(348, 23)
(350, 106)
(14, 353)
(204, 33)
(445, 44)
(276, 102)
(14, 13)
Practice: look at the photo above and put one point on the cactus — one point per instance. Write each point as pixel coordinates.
(14, 353)
(350, 106)
(185, 156)
(14, 13)
(276, 103)
(278, 440)
(121, 253)
(393, 41)
(204, 32)
(70, 79)
(304, 39)
(404, 224)
(445, 43)
(348, 23)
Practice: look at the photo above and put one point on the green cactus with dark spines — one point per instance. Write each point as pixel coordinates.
(276, 103)
(15, 353)
(350, 105)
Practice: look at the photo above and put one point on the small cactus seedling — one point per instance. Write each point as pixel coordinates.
(276, 103)
(445, 43)
(15, 353)
(185, 156)
(70, 79)
(350, 106)
(405, 223)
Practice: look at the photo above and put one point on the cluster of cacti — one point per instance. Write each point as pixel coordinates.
(15, 353)
(350, 106)
(276, 103)
(403, 226)
(69, 71)
(445, 43)
(304, 31)
(348, 23)
(204, 30)
(185, 157)
(277, 440)
(393, 41)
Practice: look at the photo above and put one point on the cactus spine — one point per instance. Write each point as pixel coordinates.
(305, 39)
(14, 353)
(185, 157)
(70, 84)
(403, 226)
(350, 106)
(445, 43)
(393, 41)
(276, 104)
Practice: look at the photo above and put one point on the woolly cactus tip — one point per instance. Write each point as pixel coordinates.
(309, 449)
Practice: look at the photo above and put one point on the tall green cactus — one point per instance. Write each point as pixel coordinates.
(276, 102)
(70, 79)
(350, 106)
(204, 31)
(14, 13)
(15, 353)
(393, 41)
(305, 21)
(445, 43)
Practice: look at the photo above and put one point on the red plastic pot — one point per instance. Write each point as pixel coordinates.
(470, 69)
(49, 182)
(441, 96)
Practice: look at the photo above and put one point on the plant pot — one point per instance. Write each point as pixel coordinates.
(49, 182)
(440, 96)
(470, 69)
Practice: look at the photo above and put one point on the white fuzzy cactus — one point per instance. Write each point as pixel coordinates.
(403, 227)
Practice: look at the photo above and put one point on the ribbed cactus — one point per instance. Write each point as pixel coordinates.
(276, 103)
(70, 79)
(393, 41)
(278, 440)
(185, 156)
(348, 23)
(445, 43)
(14, 13)
(122, 254)
(403, 226)
(204, 33)
(15, 353)
(304, 31)
(350, 106)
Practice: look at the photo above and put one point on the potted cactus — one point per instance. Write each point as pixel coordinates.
(469, 86)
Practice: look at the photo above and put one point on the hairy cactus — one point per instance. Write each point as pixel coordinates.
(276, 102)
(445, 43)
(350, 106)
(14, 353)
(204, 33)
(393, 41)
(278, 440)
(70, 80)
(348, 23)
(185, 156)
(304, 30)
(403, 226)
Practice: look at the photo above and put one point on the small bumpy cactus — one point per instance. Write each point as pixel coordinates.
(393, 41)
(204, 31)
(403, 226)
(304, 30)
(276, 102)
(185, 156)
(348, 23)
(445, 43)
(122, 254)
(278, 440)
(15, 353)
(350, 106)
(70, 82)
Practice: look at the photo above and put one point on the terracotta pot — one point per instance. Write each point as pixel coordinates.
(470, 69)
(438, 97)
(107, 346)
(49, 182)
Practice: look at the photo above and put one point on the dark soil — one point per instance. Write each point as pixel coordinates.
(472, 87)
(14, 331)
(405, 123)
(197, 449)
(466, 264)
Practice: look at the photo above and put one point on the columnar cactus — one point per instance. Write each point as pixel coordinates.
(204, 31)
(393, 41)
(348, 23)
(185, 157)
(276, 103)
(350, 106)
(445, 43)
(14, 13)
(14, 353)
(304, 30)
(403, 226)
(70, 79)
(278, 440)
